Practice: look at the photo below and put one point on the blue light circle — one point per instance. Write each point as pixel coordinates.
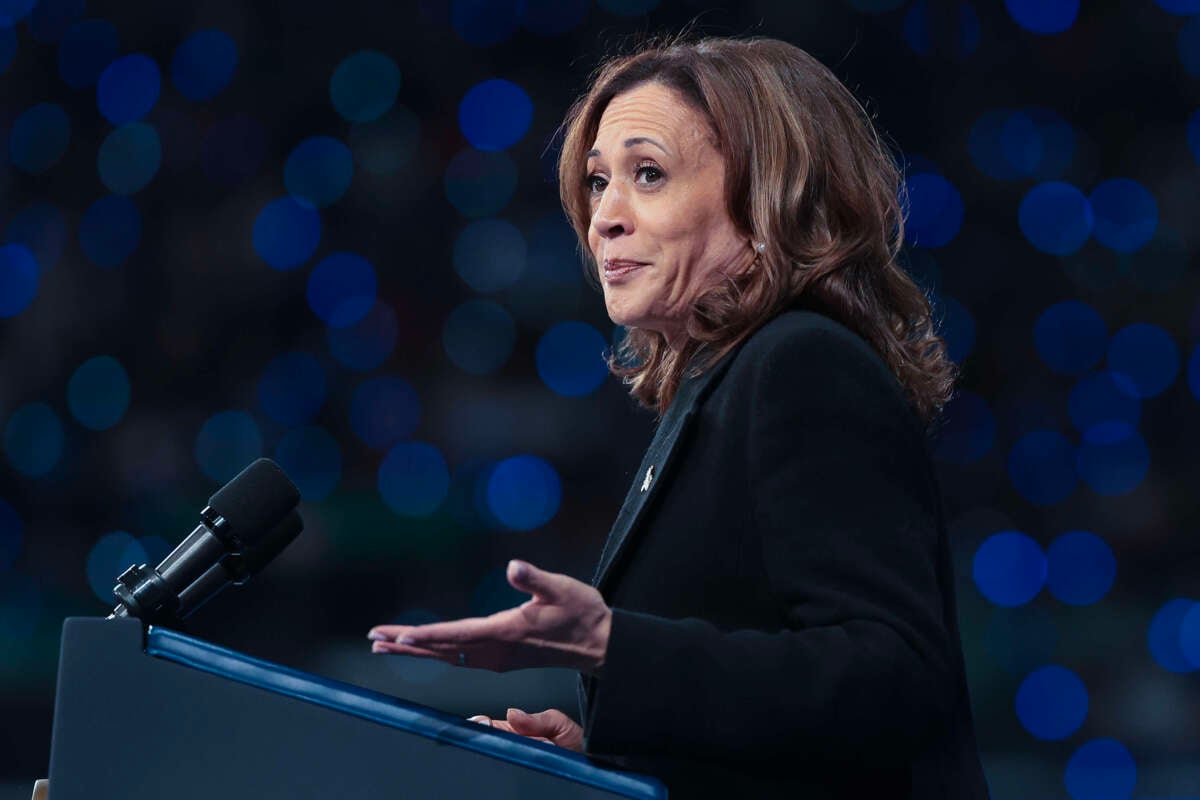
(479, 336)
(13, 11)
(495, 114)
(39, 138)
(8, 48)
(367, 343)
(524, 492)
(384, 411)
(1183, 8)
(1009, 568)
(1043, 16)
(383, 146)
(129, 158)
(98, 393)
(18, 279)
(234, 149)
(628, 8)
(33, 439)
(1188, 45)
(1071, 337)
(226, 443)
(1098, 398)
(484, 23)
(203, 64)
(413, 479)
(51, 19)
(969, 430)
(1033, 143)
(489, 254)
(312, 459)
(957, 327)
(1126, 214)
(1113, 458)
(1041, 466)
(1056, 218)
(111, 555)
(12, 533)
(553, 17)
(1164, 636)
(1144, 358)
(342, 289)
(1189, 635)
(570, 359)
(479, 184)
(935, 210)
(364, 86)
(1057, 139)
(128, 88)
(1080, 568)
(85, 50)
(292, 388)
(1101, 769)
(41, 228)
(318, 171)
(1052, 702)
(110, 230)
(286, 233)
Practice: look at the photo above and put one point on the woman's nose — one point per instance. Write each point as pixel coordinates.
(613, 215)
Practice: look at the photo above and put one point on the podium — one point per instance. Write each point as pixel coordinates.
(156, 713)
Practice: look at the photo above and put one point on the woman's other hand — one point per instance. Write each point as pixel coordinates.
(551, 726)
(565, 624)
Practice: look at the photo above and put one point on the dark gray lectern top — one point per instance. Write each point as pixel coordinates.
(161, 714)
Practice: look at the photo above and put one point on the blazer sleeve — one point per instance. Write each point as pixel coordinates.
(845, 509)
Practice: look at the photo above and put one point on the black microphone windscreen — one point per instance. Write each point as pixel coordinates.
(256, 500)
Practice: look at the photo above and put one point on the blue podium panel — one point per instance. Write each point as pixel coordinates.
(161, 714)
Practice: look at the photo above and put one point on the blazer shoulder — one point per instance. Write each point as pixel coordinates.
(808, 335)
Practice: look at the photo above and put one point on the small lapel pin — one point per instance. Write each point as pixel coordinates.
(649, 477)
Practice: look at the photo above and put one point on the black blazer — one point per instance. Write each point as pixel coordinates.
(784, 621)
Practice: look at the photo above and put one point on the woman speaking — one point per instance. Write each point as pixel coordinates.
(773, 613)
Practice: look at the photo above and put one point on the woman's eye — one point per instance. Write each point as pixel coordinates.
(648, 174)
(595, 183)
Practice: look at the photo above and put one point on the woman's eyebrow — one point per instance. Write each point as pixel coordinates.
(594, 153)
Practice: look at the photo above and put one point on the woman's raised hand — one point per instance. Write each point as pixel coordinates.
(551, 726)
(564, 624)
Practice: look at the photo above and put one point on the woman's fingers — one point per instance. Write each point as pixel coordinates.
(551, 724)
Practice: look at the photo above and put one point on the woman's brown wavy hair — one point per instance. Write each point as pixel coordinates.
(806, 173)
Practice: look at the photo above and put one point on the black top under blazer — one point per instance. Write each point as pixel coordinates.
(784, 621)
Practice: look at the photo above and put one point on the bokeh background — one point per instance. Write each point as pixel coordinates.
(329, 234)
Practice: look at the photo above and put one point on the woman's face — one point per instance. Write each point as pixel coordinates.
(660, 232)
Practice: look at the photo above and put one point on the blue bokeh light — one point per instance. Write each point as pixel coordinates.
(33, 439)
(413, 479)
(919, 33)
(318, 171)
(41, 228)
(1043, 16)
(479, 184)
(956, 326)
(570, 359)
(1071, 337)
(1184, 8)
(8, 48)
(384, 411)
(226, 443)
(12, 535)
(128, 88)
(367, 343)
(203, 64)
(1163, 636)
(1101, 769)
(286, 233)
(39, 138)
(1189, 634)
(110, 230)
(1009, 568)
(969, 430)
(364, 86)
(489, 255)
(495, 114)
(111, 555)
(553, 17)
(342, 289)
(1080, 568)
(383, 146)
(1188, 45)
(484, 23)
(1144, 359)
(129, 158)
(313, 459)
(51, 19)
(1056, 218)
(19, 277)
(234, 149)
(1041, 466)
(98, 393)
(935, 210)
(524, 492)
(85, 50)
(292, 388)
(629, 8)
(1113, 458)
(13, 11)
(1126, 215)
(1052, 702)
(1099, 398)
(479, 336)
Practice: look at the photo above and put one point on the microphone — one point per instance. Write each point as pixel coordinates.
(238, 518)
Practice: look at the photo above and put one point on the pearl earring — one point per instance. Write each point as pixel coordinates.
(760, 246)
